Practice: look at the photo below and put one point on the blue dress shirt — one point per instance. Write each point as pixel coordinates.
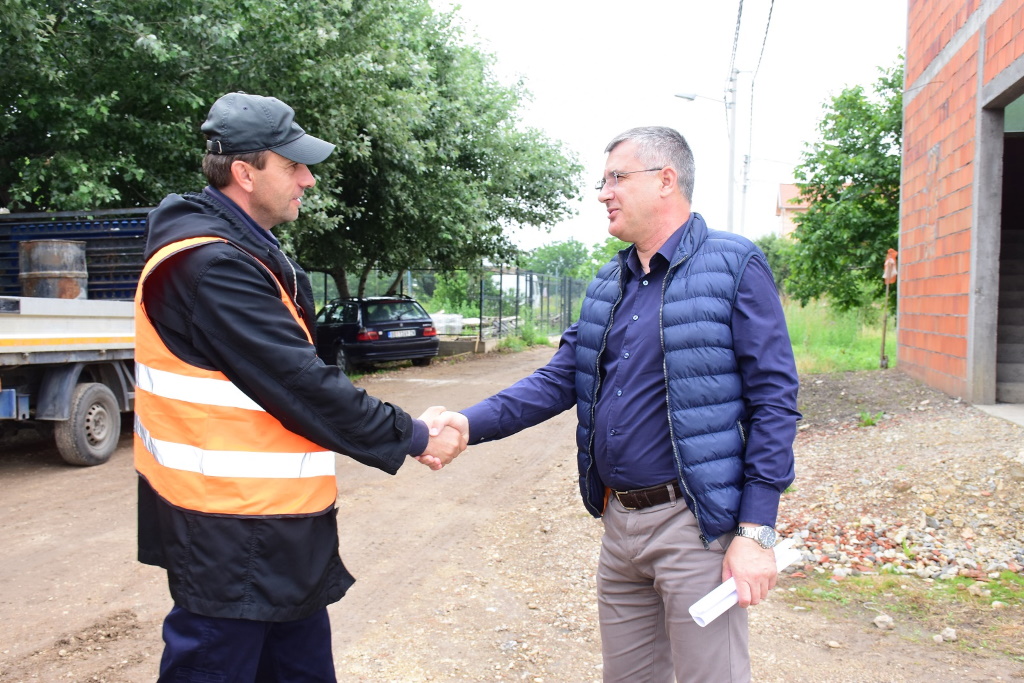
(631, 445)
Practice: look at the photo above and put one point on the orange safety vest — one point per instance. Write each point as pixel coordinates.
(203, 445)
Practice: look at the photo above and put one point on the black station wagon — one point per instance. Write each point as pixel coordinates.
(353, 332)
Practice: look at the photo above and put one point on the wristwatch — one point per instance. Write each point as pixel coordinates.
(765, 536)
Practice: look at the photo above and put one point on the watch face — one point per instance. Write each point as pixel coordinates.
(766, 536)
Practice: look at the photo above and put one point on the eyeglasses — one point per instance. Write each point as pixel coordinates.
(619, 174)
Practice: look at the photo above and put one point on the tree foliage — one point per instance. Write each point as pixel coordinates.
(101, 103)
(571, 258)
(568, 259)
(851, 179)
(603, 252)
(778, 251)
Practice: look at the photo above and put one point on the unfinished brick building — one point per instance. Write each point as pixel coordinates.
(961, 290)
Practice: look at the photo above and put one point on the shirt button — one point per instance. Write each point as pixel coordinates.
(626, 354)
(636, 317)
(618, 392)
(612, 432)
(645, 283)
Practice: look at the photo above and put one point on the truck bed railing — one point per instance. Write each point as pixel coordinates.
(114, 244)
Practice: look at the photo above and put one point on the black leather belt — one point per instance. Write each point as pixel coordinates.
(649, 497)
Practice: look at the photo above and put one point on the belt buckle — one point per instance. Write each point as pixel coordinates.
(618, 497)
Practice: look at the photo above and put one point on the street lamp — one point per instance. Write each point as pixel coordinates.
(729, 100)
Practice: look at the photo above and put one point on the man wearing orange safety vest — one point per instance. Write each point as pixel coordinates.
(238, 421)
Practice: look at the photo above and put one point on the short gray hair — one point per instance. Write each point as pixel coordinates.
(661, 146)
(217, 167)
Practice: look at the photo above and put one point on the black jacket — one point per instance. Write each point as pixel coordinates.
(216, 308)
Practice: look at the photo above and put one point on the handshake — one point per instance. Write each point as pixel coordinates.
(449, 436)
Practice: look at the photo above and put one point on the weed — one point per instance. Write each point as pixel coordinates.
(825, 340)
(866, 419)
(512, 344)
(525, 337)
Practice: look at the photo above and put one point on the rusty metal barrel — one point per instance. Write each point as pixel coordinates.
(53, 268)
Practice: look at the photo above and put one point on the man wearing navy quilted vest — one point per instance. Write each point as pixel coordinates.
(682, 374)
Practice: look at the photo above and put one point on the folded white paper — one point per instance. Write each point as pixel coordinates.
(712, 605)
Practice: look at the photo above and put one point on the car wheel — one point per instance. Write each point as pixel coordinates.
(89, 436)
(422, 362)
(342, 361)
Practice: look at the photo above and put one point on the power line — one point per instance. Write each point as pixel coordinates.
(764, 41)
(736, 38)
(731, 82)
(753, 79)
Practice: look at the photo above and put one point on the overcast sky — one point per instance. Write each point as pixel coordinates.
(599, 67)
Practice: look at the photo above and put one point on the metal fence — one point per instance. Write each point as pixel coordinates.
(492, 302)
(549, 303)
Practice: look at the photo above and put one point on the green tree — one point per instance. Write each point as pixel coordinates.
(569, 259)
(445, 184)
(603, 252)
(455, 293)
(87, 112)
(779, 252)
(101, 102)
(851, 179)
(458, 291)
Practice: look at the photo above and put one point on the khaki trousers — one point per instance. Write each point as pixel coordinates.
(652, 568)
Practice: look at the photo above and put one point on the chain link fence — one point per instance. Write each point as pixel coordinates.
(489, 303)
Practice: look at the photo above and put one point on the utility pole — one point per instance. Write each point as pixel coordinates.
(730, 112)
(729, 100)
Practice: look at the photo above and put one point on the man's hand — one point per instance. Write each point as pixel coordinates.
(753, 567)
(449, 436)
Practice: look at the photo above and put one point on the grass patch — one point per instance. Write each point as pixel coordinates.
(1008, 588)
(825, 340)
(922, 608)
(526, 336)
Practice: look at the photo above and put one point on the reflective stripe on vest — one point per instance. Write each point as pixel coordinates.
(203, 445)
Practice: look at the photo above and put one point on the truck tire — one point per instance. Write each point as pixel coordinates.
(89, 436)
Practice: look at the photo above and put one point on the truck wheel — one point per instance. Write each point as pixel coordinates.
(89, 436)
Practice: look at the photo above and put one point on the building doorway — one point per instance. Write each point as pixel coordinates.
(1010, 330)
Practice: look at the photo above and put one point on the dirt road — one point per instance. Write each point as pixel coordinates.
(481, 572)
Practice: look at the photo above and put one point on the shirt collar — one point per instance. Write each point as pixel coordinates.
(664, 254)
(231, 206)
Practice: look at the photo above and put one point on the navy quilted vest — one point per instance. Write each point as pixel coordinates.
(707, 418)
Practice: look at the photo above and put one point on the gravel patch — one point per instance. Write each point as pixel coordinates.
(932, 490)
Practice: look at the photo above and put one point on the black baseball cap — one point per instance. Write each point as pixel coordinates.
(239, 123)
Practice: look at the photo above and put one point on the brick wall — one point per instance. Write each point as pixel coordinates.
(1004, 41)
(938, 179)
(931, 25)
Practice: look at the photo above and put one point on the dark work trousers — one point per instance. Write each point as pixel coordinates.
(200, 649)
